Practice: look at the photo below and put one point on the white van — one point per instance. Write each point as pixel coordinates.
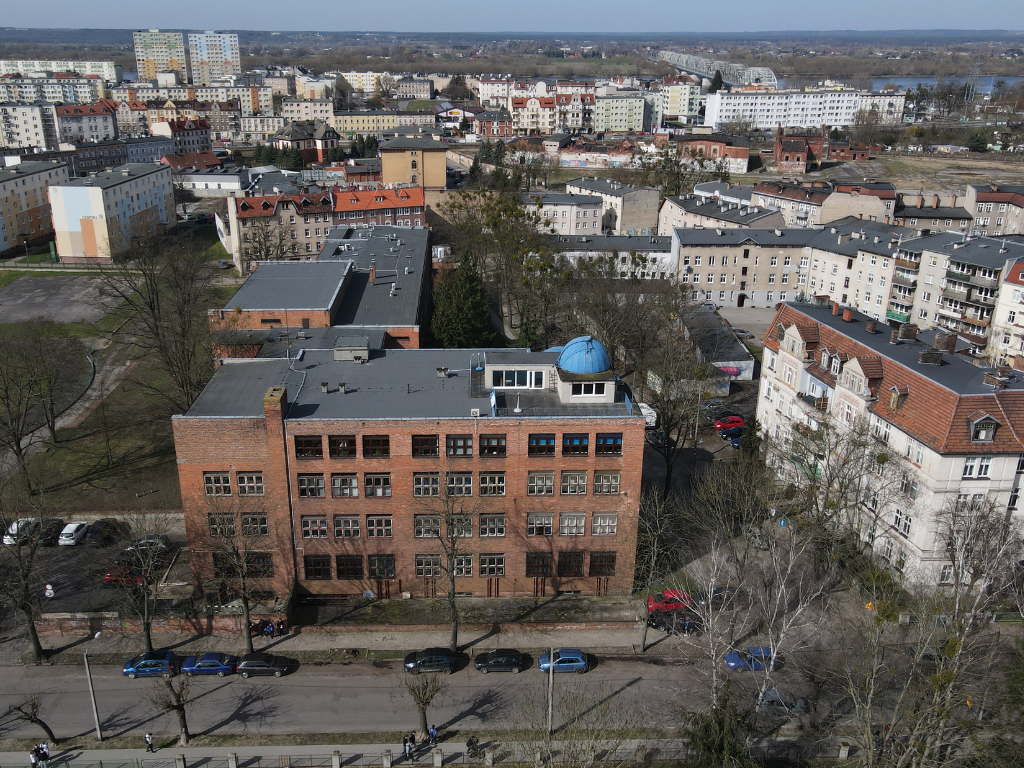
(20, 530)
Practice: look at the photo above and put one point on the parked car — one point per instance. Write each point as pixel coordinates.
(105, 531)
(742, 333)
(50, 532)
(19, 531)
(721, 413)
(727, 422)
(72, 534)
(775, 702)
(224, 264)
(736, 442)
(430, 660)
(668, 600)
(710, 305)
(501, 660)
(253, 664)
(566, 660)
(150, 664)
(682, 622)
(213, 663)
(125, 573)
(731, 432)
(751, 660)
(156, 541)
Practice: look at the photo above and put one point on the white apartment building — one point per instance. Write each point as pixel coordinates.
(308, 109)
(627, 209)
(887, 105)
(681, 101)
(259, 127)
(23, 126)
(24, 203)
(365, 82)
(85, 122)
(1006, 341)
(108, 70)
(157, 51)
(310, 87)
(96, 216)
(566, 214)
(622, 113)
(950, 429)
(790, 109)
(646, 258)
(494, 91)
(213, 55)
(251, 100)
(59, 90)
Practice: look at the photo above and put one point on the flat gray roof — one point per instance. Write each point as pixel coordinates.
(393, 384)
(721, 210)
(714, 337)
(988, 252)
(7, 173)
(647, 243)
(291, 286)
(561, 198)
(724, 189)
(603, 185)
(112, 177)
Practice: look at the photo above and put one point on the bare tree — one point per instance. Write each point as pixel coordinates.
(139, 570)
(30, 710)
(55, 362)
(264, 239)
(173, 695)
(424, 690)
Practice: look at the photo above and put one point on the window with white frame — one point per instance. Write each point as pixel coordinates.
(572, 525)
(902, 521)
(970, 467)
(604, 525)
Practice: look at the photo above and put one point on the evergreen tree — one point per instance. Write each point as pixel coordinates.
(977, 142)
(499, 179)
(258, 155)
(461, 316)
(498, 153)
(359, 146)
(475, 171)
(271, 156)
(370, 149)
(716, 82)
(486, 149)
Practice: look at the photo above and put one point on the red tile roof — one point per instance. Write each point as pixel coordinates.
(204, 159)
(1015, 274)
(267, 205)
(377, 199)
(82, 109)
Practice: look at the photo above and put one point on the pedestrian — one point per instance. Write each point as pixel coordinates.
(44, 754)
(412, 741)
(270, 629)
(149, 742)
(280, 627)
(405, 745)
(432, 733)
(33, 757)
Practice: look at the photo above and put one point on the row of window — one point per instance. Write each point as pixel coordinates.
(426, 484)
(379, 446)
(569, 564)
(429, 526)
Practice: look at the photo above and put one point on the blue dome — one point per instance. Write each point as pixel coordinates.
(584, 354)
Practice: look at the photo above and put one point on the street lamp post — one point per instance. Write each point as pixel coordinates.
(92, 692)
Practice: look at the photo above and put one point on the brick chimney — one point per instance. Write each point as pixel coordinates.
(994, 381)
(908, 332)
(1018, 363)
(930, 356)
(871, 326)
(373, 270)
(935, 201)
(894, 337)
(945, 341)
(835, 307)
(847, 315)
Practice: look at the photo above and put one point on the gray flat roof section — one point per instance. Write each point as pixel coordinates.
(562, 198)
(724, 189)
(956, 373)
(286, 342)
(602, 185)
(113, 177)
(291, 285)
(989, 252)
(723, 211)
(715, 338)
(393, 384)
(646, 243)
(787, 238)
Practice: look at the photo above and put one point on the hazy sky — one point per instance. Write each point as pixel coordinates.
(586, 16)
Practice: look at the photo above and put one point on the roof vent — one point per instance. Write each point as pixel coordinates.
(442, 373)
(323, 387)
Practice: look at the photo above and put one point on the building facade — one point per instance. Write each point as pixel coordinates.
(622, 113)
(626, 208)
(367, 123)
(28, 126)
(769, 109)
(308, 109)
(414, 162)
(24, 202)
(252, 100)
(213, 56)
(108, 70)
(692, 211)
(88, 122)
(998, 209)
(157, 51)
(63, 89)
(187, 135)
(565, 213)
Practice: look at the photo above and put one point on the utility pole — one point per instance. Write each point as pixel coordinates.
(92, 692)
(551, 686)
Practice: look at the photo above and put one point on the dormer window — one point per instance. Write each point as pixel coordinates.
(835, 365)
(983, 427)
(824, 360)
(897, 395)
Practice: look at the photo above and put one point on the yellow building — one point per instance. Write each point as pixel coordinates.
(417, 162)
(348, 124)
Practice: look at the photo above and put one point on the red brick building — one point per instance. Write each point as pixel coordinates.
(798, 150)
(493, 124)
(312, 138)
(338, 467)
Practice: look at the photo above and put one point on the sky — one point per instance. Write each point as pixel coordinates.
(552, 16)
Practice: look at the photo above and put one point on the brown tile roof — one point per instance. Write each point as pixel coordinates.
(204, 159)
(377, 199)
(793, 192)
(267, 205)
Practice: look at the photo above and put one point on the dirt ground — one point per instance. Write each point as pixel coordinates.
(61, 298)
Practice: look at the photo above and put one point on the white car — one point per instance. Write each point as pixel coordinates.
(72, 534)
(20, 530)
(649, 414)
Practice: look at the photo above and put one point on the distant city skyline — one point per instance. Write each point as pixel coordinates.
(655, 17)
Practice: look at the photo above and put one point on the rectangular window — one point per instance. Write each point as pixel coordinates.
(377, 485)
(604, 525)
(376, 447)
(946, 575)
(460, 483)
(492, 483)
(572, 525)
(540, 445)
(317, 566)
(539, 525)
(608, 444)
(344, 486)
(570, 564)
(309, 447)
(970, 466)
(217, 483)
(602, 563)
(492, 445)
(314, 527)
(427, 526)
(492, 525)
(606, 483)
(259, 565)
(379, 527)
(984, 466)
(428, 566)
(349, 566)
(908, 487)
(915, 451)
(346, 527)
(459, 445)
(250, 484)
(540, 484)
(575, 445)
(425, 445)
(574, 483)
(341, 446)
(463, 565)
(492, 565)
(311, 486)
(539, 564)
(254, 525)
(588, 389)
(222, 524)
(901, 522)
(381, 566)
(426, 484)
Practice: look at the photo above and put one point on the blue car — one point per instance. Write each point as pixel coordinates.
(752, 660)
(219, 664)
(566, 660)
(150, 664)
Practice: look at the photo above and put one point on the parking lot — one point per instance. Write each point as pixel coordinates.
(61, 298)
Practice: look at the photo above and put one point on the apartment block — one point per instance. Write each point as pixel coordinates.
(365, 82)
(27, 126)
(97, 216)
(949, 428)
(187, 135)
(24, 203)
(626, 208)
(815, 203)
(213, 56)
(534, 115)
(86, 122)
(64, 89)
(308, 109)
(157, 51)
(366, 122)
(643, 258)
(414, 88)
(681, 99)
(252, 100)
(622, 113)
(692, 211)
(414, 162)
(540, 454)
(108, 70)
(769, 109)
(565, 213)
(998, 209)
(260, 127)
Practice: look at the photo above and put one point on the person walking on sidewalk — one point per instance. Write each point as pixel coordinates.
(405, 745)
(149, 742)
(44, 754)
(412, 741)
(33, 757)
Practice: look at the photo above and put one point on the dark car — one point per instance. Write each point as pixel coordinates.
(219, 664)
(501, 660)
(150, 664)
(125, 573)
(253, 664)
(50, 532)
(675, 622)
(736, 442)
(720, 413)
(731, 432)
(752, 660)
(430, 660)
(104, 531)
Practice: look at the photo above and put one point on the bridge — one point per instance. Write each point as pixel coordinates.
(732, 74)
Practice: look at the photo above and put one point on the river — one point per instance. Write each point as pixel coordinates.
(985, 82)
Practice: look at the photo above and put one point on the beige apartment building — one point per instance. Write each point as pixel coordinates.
(308, 109)
(414, 162)
(371, 123)
(24, 203)
(157, 51)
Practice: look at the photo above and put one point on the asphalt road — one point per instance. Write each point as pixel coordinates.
(359, 697)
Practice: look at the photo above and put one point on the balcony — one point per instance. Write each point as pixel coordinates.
(948, 293)
(986, 301)
(818, 403)
(959, 277)
(901, 316)
(906, 282)
(906, 264)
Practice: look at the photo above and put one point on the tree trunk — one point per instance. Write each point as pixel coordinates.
(46, 730)
(185, 736)
(147, 621)
(246, 622)
(421, 733)
(453, 609)
(33, 636)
